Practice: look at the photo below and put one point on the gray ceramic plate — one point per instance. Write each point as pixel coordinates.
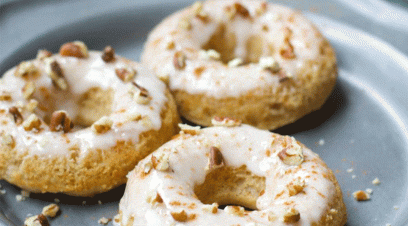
(363, 124)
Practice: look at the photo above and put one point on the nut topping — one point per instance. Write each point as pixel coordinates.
(50, 210)
(108, 54)
(141, 95)
(198, 11)
(54, 71)
(262, 8)
(42, 54)
(361, 195)
(26, 70)
(213, 208)
(235, 62)
(209, 54)
(5, 96)
(60, 121)
(295, 187)
(180, 216)
(179, 60)
(235, 210)
(37, 220)
(291, 216)
(18, 118)
(103, 125)
(125, 74)
(192, 130)
(215, 159)
(292, 155)
(268, 63)
(32, 122)
(32, 105)
(160, 161)
(28, 90)
(154, 197)
(235, 9)
(225, 121)
(75, 49)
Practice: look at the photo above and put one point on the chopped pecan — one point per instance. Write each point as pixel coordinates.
(50, 210)
(179, 60)
(75, 49)
(215, 159)
(28, 90)
(56, 74)
(180, 216)
(42, 54)
(60, 121)
(26, 70)
(103, 125)
(108, 54)
(32, 122)
(291, 216)
(125, 74)
(18, 118)
(37, 220)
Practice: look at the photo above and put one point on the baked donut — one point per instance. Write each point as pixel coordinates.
(247, 59)
(77, 122)
(188, 179)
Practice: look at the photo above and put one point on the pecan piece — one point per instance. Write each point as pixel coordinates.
(103, 125)
(60, 121)
(291, 216)
(26, 70)
(28, 90)
(50, 210)
(32, 122)
(42, 54)
(108, 54)
(180, 216)
(37, 220)
(179, 60)
(56, 74)
(18, 118)
(125, 74)
(215, 159)
(75, 49)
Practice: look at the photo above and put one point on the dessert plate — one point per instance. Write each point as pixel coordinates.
(361, 132)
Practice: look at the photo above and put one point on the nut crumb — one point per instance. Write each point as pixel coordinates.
(37, 220)
(5, 96)
(161, 161)
(32, 122)
(103, 125)
(209, 54)
(350, 170)
(56, 74)
(361, 195)
(18, 118)
(295, 187)
(3, 192)
(269, 63)
(108, 54)
(235, 210)
(235, 62)
(154, 197)
(179, 60)
(50, 210)
(213, 208)
(31, 105)
(376, 181)
(369, 191)
(225, 121)
(8, 140)
(292, 155)
(192, 130)
(42, 54)
(215, 159)
(104, 220)
(28, 90)
(26, 70)
(126, 73)
(291, 216)
(60, 121)
(141, 95)
(235, 9)
(75, 49)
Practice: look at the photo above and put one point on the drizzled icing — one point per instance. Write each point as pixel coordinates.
(82, 74)
(218, 80)
(241, 145)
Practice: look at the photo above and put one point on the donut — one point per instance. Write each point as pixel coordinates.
(258, 177)
(77, 122)
(262, 63)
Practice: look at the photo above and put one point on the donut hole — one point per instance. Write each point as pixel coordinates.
(231, 186)
(225, 42)
(84, 109)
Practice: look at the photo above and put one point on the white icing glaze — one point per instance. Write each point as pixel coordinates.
(241, 145)
(81, 75)
(218, 80)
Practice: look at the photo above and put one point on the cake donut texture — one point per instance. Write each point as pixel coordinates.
(77, 122)
(247, 59)
(186, 181)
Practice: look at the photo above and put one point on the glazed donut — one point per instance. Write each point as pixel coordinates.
(247, 59)
(77, 122)
(188, 178)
